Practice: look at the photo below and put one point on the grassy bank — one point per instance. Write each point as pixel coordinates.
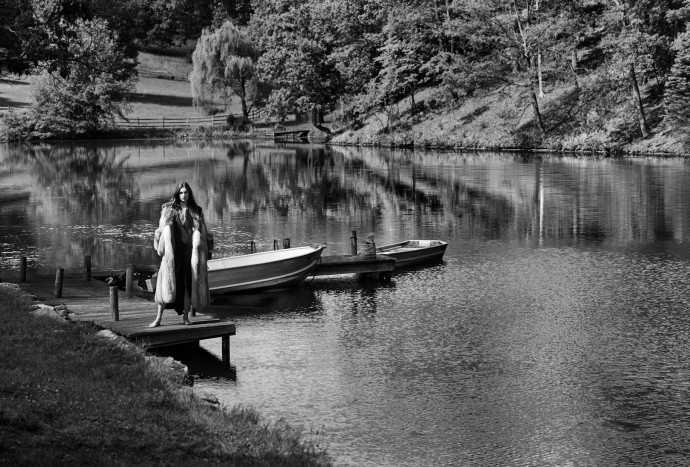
(499, 119)
(71, 397)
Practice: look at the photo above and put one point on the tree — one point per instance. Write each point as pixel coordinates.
(678, 84)
(224, 60)
(637, 39)
(406, 50)
(295, 49)
(89, 94)
(15, 20)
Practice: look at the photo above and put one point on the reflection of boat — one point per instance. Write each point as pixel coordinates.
(268, 269)
(414, 252)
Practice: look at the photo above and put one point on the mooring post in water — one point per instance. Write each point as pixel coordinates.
(226, 350)
(87, 268)
(114, 305)
(252, 247)
(286, 243)
(275, 244)
(22, 269)
(353, 242)
(59, 277)
(129, 279)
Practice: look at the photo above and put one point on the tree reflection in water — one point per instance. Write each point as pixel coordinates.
(77, 189)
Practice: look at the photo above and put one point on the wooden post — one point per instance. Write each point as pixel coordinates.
(286, 243)
(226, 349)
(353, 242)
(275, 244)
(252, 247)
(163, 122)
(87, 268)
(129, 279)
(114, 305)
(59, 277)
(22, 269)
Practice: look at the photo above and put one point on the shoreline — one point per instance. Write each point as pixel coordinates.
(233, 135)
(73, 393)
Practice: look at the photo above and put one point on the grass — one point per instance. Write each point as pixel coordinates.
(154, 98)
(71, 397)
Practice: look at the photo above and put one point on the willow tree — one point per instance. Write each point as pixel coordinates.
(224, 63)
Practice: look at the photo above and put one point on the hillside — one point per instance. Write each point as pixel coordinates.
(497, 119)
(155, 97)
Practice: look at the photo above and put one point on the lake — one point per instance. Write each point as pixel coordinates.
(555, 332)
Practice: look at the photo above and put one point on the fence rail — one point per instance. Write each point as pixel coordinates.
(218, 120)
(177, 122)
(161, 74)
(9, 108)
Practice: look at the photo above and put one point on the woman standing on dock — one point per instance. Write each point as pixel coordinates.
(184, 244)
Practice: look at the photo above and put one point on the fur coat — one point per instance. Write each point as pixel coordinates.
(164, 244)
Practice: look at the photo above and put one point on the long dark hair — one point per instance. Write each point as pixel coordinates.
(193, 207)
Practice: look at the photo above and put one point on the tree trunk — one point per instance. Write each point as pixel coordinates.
(541, 81)
(537, 113)
(644, 127)
(243, 99)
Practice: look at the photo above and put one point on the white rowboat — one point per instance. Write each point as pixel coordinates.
(268, 269)
(414, 252)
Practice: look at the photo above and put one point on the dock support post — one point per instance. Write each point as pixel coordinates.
(286, 243)
(59, 277)
(252, 247)
(353, 242)
(87, 268)
(129, 279)
(114, 305)
(22, 269)
(226, 349)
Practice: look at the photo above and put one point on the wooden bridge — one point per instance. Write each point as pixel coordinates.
(92, 301)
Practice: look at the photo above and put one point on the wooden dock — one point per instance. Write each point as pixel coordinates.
(91, 301)
(355, 264)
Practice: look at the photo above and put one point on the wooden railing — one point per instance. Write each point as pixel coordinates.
(176, 122)
(161, 74)
(11, 108)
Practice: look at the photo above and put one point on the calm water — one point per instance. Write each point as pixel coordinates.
(556, 332)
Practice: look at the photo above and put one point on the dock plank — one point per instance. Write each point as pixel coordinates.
(353, 264)
(89, 301)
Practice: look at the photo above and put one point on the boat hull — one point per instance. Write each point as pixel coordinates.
(411, 253)
(266, 270)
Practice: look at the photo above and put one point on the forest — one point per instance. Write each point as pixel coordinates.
(603, 72)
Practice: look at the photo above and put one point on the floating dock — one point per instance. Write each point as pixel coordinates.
(356, 264)
(92, 301)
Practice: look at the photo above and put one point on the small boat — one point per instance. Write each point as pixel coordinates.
(414, 252)
(268, 269)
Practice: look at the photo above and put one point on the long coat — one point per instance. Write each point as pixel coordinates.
(164, 243)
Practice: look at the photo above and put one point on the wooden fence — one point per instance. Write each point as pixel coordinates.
(218, 120)
(174, 122)
(162, 74)
(15, 108)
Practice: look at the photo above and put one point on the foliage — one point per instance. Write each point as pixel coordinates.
(39, 34)
(93, 90)
(224, 63)
(678, 84)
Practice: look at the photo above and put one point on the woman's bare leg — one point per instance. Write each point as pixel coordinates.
(185, 317)
(159, 316)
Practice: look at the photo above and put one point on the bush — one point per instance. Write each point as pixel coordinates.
(237, 123)
(16, 126)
